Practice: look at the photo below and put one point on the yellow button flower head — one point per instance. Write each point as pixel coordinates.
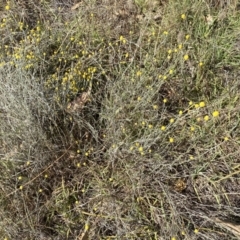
(206, 118)
(185, 57)
(171, 140)
(163, 128)
(183, 16)
(202, 104)
(215, 113)
(196, 231)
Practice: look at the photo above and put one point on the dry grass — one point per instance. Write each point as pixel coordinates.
(119, 120)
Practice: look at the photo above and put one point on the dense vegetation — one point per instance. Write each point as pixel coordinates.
(119, 119)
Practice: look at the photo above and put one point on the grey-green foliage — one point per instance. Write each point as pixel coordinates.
(22, 103)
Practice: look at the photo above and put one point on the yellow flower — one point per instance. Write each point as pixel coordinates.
(206, 118)
(183, 16)
(200, 64)
(155, 107)
(139, 73)
(226, 139)
(170, 71)
(180, 112)
(171, 120)
(164, 77)
(7, 7)
(165, 32)
(163, 128)
(185, 57)
(202, 104)
(196, 231)
(180, 46)
(187, 36)
(215, 113)
(173, 238)
(192, 129)
(171, 140)
(165, 100)
(190, 103)
(140, 149)
(196, 105)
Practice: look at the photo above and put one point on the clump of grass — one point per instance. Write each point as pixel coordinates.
(118, 122)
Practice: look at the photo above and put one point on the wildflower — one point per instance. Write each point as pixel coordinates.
(20, 178)
(140, 149)
(200, 64)
(168, 57)
(183, 16)
(190, 103)
(215, 113)
(86, 227)
(226, 139)
(185, 57)
(78, 165)
(196, 230)
(180, 46)
(196, 105)
(170, 71)
(155, 107)
(78, 151)
(165, 32)
(7, 7)
(165, 100)
(192, 129)
(164, 77)
(169, 51)
(171, 140)
(206, 118)
(139, 73)
(139, 98)
(180, 112)
(150, 126)
(187, 36)
(171, 120)
(202, 104)
(21, 187)
(163, 128)
(173, 238)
